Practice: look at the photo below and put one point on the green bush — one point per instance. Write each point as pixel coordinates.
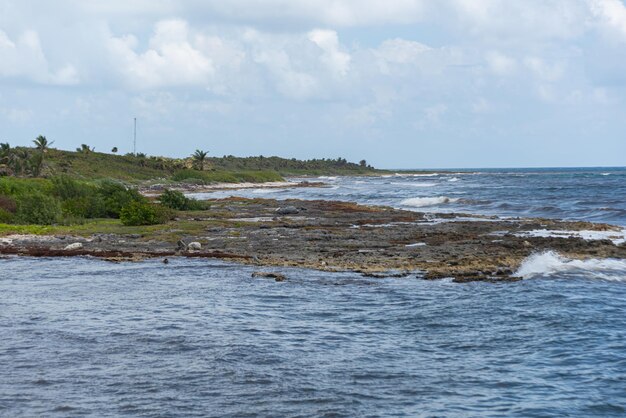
(37, 208)
(65, 188)
(11, 186)
(144, 213)
(91, 206)
(176, 200)
(8, 204)
(6, 217)
(116, 196)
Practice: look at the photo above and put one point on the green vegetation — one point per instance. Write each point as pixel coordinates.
(198, 158)
(87, 164)
(42, 187)
(144, 213)
(222, 176)
(177, 201)
(64, 200)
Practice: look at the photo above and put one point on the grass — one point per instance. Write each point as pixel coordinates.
(208, 177)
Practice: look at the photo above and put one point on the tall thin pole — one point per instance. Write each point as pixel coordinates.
(135, 138)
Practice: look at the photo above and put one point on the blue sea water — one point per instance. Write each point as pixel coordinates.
(82, 337)
(591, 194)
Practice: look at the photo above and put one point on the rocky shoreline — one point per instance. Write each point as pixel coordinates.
(337, 236)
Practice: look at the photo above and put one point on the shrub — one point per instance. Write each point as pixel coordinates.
(91, 206)
(144, 213)
(6, 217)
(65, 187)
(176, 200)
(8, 204)
(116, 196)
(37, 208)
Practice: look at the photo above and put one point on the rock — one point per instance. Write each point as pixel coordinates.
(194, 246)
(276, 276)
(287, 210)
(74, 246)
(166, 261)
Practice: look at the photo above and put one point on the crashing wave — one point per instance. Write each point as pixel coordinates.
(419, 202)
(617, 237)
(551, 263)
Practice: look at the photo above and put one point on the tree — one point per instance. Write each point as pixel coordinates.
(363, 163)
(114, 150)
(199, 157)
(42, 145)
(85, 149)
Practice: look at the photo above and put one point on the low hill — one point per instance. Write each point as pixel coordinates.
(88, 164)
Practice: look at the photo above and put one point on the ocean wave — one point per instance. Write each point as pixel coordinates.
(263, 191)
(453, 179)
(617, 237)
(419, 202)
(424, 184)
(551, 263)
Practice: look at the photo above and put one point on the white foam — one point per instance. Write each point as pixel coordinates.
(453, 179)
(617, 237)
(551, 263)
(419, 202)
(417, 244)
(424, 184)
(263, 191)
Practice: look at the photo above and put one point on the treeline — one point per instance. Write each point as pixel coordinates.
(287, 166)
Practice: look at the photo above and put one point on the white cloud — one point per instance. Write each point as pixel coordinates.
(500, 64)
(543, 70)
(335, 59)
(25, 58)
(171, 59)
(611, 13)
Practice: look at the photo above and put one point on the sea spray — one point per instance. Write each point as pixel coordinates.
(550, 263)
(419, 202)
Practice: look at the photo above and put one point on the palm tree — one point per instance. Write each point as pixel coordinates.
(199, 156)
(41, 144)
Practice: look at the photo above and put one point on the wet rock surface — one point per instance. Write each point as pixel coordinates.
(339, 236)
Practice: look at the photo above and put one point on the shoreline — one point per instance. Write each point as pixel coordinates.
(156, 189)
(332, 236)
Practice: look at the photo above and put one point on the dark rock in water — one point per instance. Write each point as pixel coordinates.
(387, 275)
(166, 261)
(287, 210)
(276, 276)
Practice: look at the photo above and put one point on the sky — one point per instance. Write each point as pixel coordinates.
(400, 83)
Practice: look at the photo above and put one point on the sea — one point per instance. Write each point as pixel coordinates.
(84, 337)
